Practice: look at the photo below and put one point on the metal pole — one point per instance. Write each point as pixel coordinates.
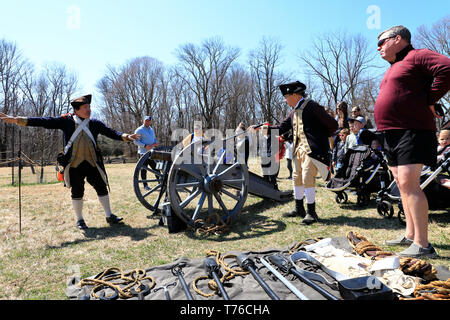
(20, 181)
(285, 265)
(176, 270)
(13, 154)
(247, 264)
(289, 285)
(212, 269)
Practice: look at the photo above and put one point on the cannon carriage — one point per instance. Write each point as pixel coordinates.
(195, 185)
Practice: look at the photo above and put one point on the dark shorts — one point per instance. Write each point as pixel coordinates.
(93, 177)
(404, 147)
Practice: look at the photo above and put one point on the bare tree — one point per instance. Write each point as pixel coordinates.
(11, 65)
(131, 89)
(204, 69)
(436, 38)
(239, 89)
(62, 85)
(36, 92)
(130, 92)
(183, 100)
(47, 93)
(263, 63)
(165, 112)
(343, 64)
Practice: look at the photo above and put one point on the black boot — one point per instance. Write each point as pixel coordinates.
(299, 210)
(81, 225)
(311, 215)
(113, 219)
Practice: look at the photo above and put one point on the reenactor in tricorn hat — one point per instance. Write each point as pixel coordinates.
(312, 126)
(81, 158)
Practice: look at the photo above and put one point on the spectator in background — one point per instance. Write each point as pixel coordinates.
(342, 120)
(146, 142)
(360, 134)
(356, 112)
(376, 145)
(289, 144)
(195, 136)
(444, 146)
(242, 142)
(342, 115)
(269, 165)
(444, 143)
(338, 150)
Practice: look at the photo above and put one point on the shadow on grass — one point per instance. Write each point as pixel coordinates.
(439, 217)
(363, 222)
(101, 233)
(250, 223)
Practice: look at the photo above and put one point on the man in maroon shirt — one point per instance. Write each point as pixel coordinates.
(405, 113)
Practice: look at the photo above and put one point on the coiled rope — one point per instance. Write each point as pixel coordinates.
(409, 266)
(127, 281)
(366, 248)
(230, 274)
(435, 290)
(213, 224)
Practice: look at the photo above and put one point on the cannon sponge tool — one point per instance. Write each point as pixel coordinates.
(213, 271)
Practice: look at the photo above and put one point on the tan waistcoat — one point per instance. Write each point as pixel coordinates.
(300, 141)
(83, 149)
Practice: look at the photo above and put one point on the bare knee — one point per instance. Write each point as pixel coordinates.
(408, 187)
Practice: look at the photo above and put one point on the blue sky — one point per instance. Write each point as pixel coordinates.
(88, 35)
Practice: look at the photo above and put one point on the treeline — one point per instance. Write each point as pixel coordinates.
(211, 82)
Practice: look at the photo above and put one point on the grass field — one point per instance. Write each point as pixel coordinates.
(36, 263)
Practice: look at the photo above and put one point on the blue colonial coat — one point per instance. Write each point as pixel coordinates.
(66, 123)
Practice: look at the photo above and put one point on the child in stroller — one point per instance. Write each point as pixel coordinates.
(364, 169)
(435, 183)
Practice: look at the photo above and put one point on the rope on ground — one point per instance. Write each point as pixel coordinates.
(123, 288)
(298, 245)
(435, 290)
(418, 268)
(409, 266)
(230, 274)
(213, 224)
(366, 248)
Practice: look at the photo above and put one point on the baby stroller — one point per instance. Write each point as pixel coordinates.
(363, 170)
(438, 196)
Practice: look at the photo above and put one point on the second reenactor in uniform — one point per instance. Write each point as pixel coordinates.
(312, 126)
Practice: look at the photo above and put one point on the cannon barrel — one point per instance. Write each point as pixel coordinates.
(161, 155)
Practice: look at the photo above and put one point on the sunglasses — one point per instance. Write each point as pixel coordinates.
(382, 41)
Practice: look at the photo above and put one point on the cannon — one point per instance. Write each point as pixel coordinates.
(192, 185)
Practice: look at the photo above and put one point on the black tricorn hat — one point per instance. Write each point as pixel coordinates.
(293, 87)
(78, 102)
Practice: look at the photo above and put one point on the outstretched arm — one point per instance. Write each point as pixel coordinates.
(8, 119)
(46, 122)
(132, 137)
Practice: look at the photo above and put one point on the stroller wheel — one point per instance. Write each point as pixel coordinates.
(341, 197)
(385, 209)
